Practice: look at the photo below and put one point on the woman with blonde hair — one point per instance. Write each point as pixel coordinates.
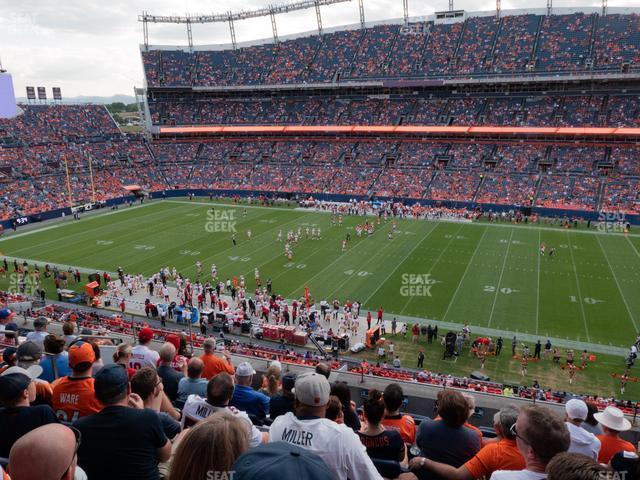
(271, 384)
(212, 445)
(122, 355)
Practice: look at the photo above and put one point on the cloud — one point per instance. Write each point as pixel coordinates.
(91, 47)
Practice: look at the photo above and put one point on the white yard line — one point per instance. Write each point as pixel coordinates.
(538, 289)
(453, 237)
(580, 299)
(504, 264)
(397, 266)
(466, 270)
(615, 277)
(633, 246)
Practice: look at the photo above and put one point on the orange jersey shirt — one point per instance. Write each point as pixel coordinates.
(405, 424)
(74, 398)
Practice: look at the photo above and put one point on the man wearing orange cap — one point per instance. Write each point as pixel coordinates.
(141, 355)
(73, 396)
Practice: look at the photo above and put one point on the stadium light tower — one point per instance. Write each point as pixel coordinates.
(405, 5)
(549, 7)
(451, 5)
(271, 11)
(361, 8)
(498, 8)
(604, 7)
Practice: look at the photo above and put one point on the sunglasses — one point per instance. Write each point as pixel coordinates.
(78, 436)
(514, 432)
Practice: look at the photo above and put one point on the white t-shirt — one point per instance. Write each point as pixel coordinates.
(517, 475)
(37, 337)
(142, 356)
(336, 444)
(196, 408)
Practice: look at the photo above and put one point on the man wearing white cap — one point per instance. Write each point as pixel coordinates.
(308, 428)
(245, 398)
(613, 422)
(582, 441)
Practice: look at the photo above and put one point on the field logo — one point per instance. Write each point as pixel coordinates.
(612, 222)
(23, 284)
(220, 221)
(416, 285)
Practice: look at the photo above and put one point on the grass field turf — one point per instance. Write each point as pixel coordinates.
(487, 275)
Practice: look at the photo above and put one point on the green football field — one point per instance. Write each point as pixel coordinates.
(489, 275)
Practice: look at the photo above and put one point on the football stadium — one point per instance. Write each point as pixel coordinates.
(393, 248)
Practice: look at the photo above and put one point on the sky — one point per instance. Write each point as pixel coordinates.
(90, 47)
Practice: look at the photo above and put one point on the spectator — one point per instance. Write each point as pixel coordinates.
(613, 422)
(123, 430)
(581, 441)
(122, 356)
(40, 331)
(141, 355)
(170, 377)
(500, 455)
(393, 397)
(626, 464)
(271, 382)
(540, 436)
(48, 452)
(193, 383)
(17, 391)
(73, 396)
(351, 419)
(575, 466)
(308, 428)
(380, 443)
(323, 369)
(9, 358)
(67, 331)
(27, 355)
(285, 401)
(283, 461)
(334, 410)
(213, 445)
(148, 386)
(213, 364)
(54, 348)
(219, 393)
(446, 440)
(591, 424)
(245, 398)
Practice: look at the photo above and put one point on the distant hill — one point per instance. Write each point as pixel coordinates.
(126, 99)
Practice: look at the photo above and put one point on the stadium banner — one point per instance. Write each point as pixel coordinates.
(31, 93)
(82, 208)
(57, 93)
(42, 93)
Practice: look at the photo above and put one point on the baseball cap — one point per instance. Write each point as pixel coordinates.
(15, 380)
(111, 381)
(173, 339)
(6, 314)
(312, 389)
(40, 322)
(576, 409)
(145, 335)
(288, 381)
(81, 352)
(245, 370)
(9, 354)
(29, 352)
(281, 461)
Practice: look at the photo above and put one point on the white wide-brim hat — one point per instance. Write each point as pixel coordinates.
(613, 418)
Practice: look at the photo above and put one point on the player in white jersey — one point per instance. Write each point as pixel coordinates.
(249, 234)
(344, 245)
(256, 275)
(214, 271)
(319, 234)
(306, 231)
(313, 233)
(280, 235)
(199, 267)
